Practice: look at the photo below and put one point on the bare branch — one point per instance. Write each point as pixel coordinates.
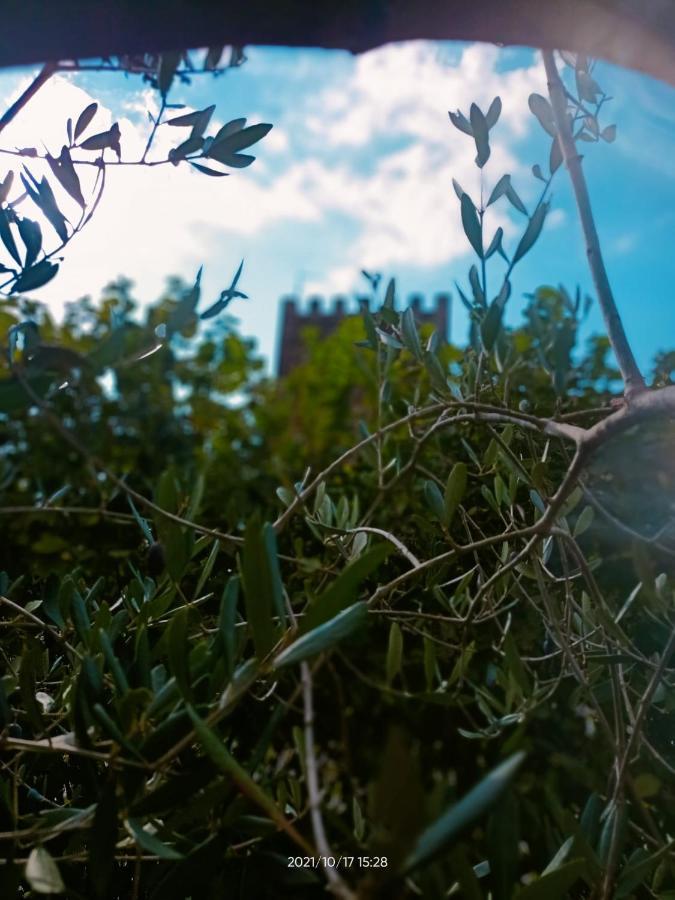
(43, 76)
(632, 377)
(337, 885)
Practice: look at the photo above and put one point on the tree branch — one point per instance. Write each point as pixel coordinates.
(632, 377)
(44, 75)
(337, 885)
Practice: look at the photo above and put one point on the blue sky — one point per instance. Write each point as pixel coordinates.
(357, 173)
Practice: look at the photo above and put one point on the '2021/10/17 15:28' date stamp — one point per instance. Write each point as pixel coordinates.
(337, 862)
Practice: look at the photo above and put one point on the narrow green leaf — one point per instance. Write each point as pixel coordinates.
(258, 591)
(455, 489)
(273, 571)
(226, 622)
(390, 294)
(207, 568)
(584, 521)
(116, 670)
(142, 523)
(394, 652)
(434, 500)
(445, 829)
(218, 753)
(343, 591)
(556, 884)
(324, 636)
(150, 842)
(410, 335)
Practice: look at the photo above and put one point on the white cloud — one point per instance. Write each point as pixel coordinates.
(376, 150)
(405, 208)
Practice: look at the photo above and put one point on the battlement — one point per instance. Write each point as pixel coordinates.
(296, 316)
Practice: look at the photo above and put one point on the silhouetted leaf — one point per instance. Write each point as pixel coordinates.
(31, 235)
(555, 158)
(492, 321)
(542, 109)
(499, 189)
(6, 186)
(481, 136)
(460, 122)
(84, 119)
(493, 113)
(226, 296)
(168, 63)
(199, 119)
(64, 170)
(7, 237)
(471, 224)
(36, 276)
(532, 231)
(104, 139)
(225, 147)
(206, 171)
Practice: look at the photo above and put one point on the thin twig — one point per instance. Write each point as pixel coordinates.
(43, 76)
(335, 882)
(632, 377)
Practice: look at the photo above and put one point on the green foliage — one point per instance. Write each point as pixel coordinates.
(206, 643)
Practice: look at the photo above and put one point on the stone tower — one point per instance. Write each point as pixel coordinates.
(291, 349)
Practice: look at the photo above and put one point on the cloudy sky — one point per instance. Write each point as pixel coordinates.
(357, 173)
